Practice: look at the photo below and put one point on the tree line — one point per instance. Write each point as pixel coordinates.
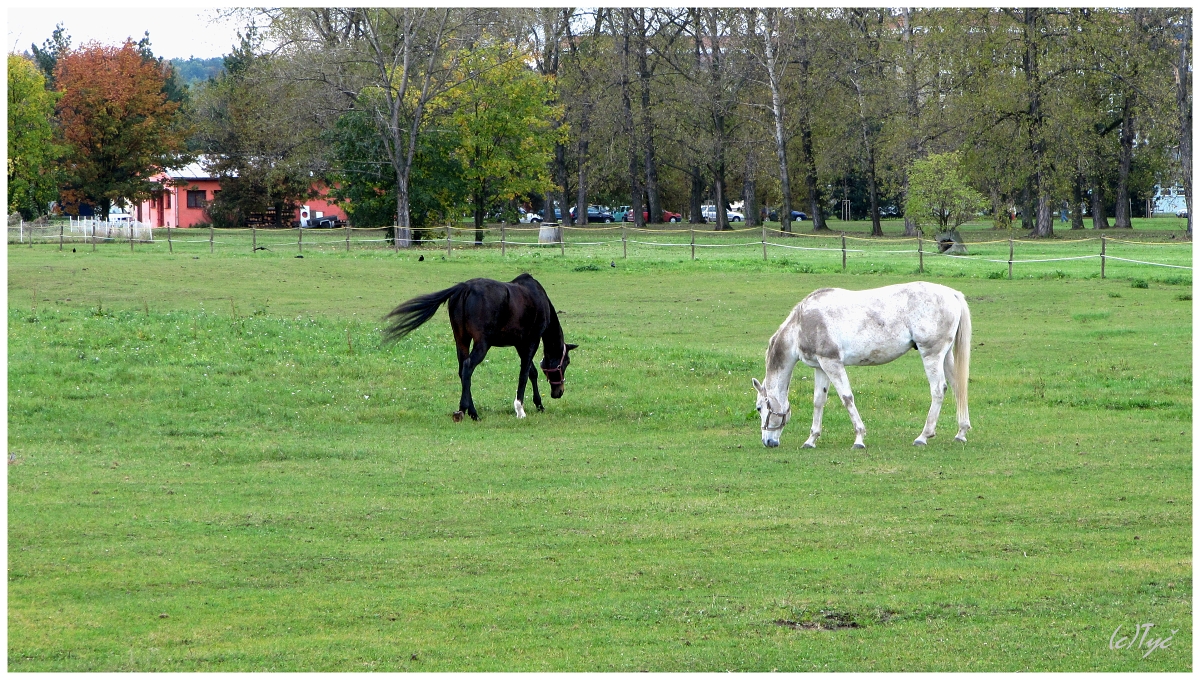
(420, 116)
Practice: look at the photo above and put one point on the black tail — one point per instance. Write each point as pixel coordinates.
(410, 315)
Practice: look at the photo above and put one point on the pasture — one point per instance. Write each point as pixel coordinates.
(216, 466)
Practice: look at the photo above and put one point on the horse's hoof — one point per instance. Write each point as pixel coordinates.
(519, 408)
(474, 416)
(859, 446)
(808, 445)
(456, 416)
(960, 438)
(540, 408)
(919, 442)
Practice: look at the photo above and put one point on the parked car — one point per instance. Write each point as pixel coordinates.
(1182, 213)
(709, 212)
(797, 216)
(595, 214)
(622, 215)
(528, 217)
(323, 222)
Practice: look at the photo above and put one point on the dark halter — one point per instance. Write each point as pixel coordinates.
(555, 375)
(783, 417)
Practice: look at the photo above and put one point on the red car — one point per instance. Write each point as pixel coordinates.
(667, 216)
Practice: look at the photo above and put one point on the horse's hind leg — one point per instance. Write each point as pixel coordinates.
(465, 403)
(935, 371)
(841, 382)
(820, 396)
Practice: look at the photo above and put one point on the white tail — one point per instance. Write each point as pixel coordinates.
(962, 364)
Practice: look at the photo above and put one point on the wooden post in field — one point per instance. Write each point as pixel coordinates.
(347, 237)
(920, 254)
(1010, 256)
(503, 246)
(300, 238)
(1102, 255)
(210, 238)
(396, 237)
(93, 235)
(764, 242)
(562, 240)
(843, 251)
(624, 244)
(170, 246)
(253, 239)
(60, 235)
(449, 228)
(693, 230)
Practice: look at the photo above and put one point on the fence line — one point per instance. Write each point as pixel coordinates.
(550, 235)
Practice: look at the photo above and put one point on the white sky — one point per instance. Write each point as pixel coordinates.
(174, 31)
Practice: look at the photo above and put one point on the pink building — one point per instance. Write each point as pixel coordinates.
(186, 205)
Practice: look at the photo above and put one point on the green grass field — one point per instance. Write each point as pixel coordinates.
(216, 466)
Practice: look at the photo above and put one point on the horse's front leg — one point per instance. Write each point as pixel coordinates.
(934, 362)
(841, 382)
(537, 396)
(526, 364)
(820, 396)
(465, 402)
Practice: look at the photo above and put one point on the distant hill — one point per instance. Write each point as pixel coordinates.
(193, 70)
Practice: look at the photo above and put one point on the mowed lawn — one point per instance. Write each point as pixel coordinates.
(216, 466)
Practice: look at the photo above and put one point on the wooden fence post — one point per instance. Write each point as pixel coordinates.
(1102, 255)
(693, 230)
(1010, 257)
(253, 239)
(60, 235)
(624, 244)
(170, 246)
(503, 246)
(210, 238)
(764, 242)
(300, 238)
(449, 228)
(843, 251)
(920, 254)
(562, 240)
(347, 237)
(93, 235)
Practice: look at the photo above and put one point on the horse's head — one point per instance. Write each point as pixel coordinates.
(556, 370)
(774, 412)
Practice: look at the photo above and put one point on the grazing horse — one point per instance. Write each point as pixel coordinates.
(494, 314)
(833, 328)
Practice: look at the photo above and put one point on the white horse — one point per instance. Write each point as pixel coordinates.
(833, 328)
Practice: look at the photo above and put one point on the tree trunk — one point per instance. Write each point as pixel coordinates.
(719, 190)
(1077, 202)
(635, 181)
(1027, 205)
(1040, 190)
(696, 196)
(1045, 216)
(1099, 216)
(1125, 161)
(581, 186)
(873, 184)
(810, 176)
(773, 78)
(1000, 216)
(750, 192)
(912, 110)
(1183, 105)
(479, 215)
(649, 160)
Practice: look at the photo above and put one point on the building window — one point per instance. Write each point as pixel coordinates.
(195, 199)
(168, 197)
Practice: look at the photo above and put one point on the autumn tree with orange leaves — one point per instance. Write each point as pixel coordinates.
(118, 123)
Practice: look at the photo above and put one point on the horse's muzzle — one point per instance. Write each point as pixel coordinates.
(556, 391)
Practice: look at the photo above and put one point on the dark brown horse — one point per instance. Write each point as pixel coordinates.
(494, 314)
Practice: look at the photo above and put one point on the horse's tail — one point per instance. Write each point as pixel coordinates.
(410, 315)
(962, 363)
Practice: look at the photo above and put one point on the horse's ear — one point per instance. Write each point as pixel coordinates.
(571, 347)
(757, 385)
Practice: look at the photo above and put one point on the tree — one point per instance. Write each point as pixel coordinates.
(46, 57)
(505, 130)
(118, 123)
(32, 153)
(252, 124)
(938, 192)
